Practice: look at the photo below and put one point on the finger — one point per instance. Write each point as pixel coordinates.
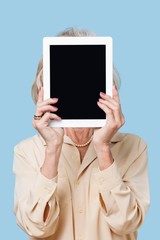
(41, 111)
(50, 116)
(46, 104)
(43, 122)
(114, 119)
(117, 99)
(40, 95)
(113, 105)
(48, 108)
(104, 95)
(116, 112)
(108, 97)
(116, 94)
(118, 115)
(119, 118)
(48, 101)
(107, 111)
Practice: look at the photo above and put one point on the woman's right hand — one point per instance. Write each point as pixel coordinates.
(46, 111)
(53, 137)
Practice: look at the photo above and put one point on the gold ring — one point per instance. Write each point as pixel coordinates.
(37, 117)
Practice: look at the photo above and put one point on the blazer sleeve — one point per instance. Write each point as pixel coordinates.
(32, 193)
(125, 199)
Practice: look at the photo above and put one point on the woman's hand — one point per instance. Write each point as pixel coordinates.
(115, 120)
(52, 137)
(44, 109)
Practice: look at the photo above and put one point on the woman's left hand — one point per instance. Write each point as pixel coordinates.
(115, 119)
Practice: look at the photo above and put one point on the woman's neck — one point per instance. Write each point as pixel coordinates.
(79, 135)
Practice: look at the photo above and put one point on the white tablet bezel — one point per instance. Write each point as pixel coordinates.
(90, 40)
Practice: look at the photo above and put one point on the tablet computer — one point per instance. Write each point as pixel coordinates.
(75, 70)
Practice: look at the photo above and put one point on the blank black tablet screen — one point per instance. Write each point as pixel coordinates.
(77, 75)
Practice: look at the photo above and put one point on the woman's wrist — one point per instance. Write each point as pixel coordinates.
(104, 155)
(102, 146)
(48, 171)
(52, 149)
(50, 166)
(54, 143)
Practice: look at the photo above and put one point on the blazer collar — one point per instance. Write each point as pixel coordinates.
(116, 138)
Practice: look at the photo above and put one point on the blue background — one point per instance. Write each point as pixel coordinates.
(134, 26)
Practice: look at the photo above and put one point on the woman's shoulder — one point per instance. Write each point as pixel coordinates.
(29, 153)
(30, 143)
(130, 140)
(128, 148)
(121, 136)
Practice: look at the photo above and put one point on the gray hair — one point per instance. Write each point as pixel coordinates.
(69, 32)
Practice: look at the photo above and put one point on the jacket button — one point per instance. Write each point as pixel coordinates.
(81, 210)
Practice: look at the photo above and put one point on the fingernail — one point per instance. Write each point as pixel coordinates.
(102, 93)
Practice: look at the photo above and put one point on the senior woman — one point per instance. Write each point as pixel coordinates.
(80, 183)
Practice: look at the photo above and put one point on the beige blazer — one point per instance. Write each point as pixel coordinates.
(85, 203)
